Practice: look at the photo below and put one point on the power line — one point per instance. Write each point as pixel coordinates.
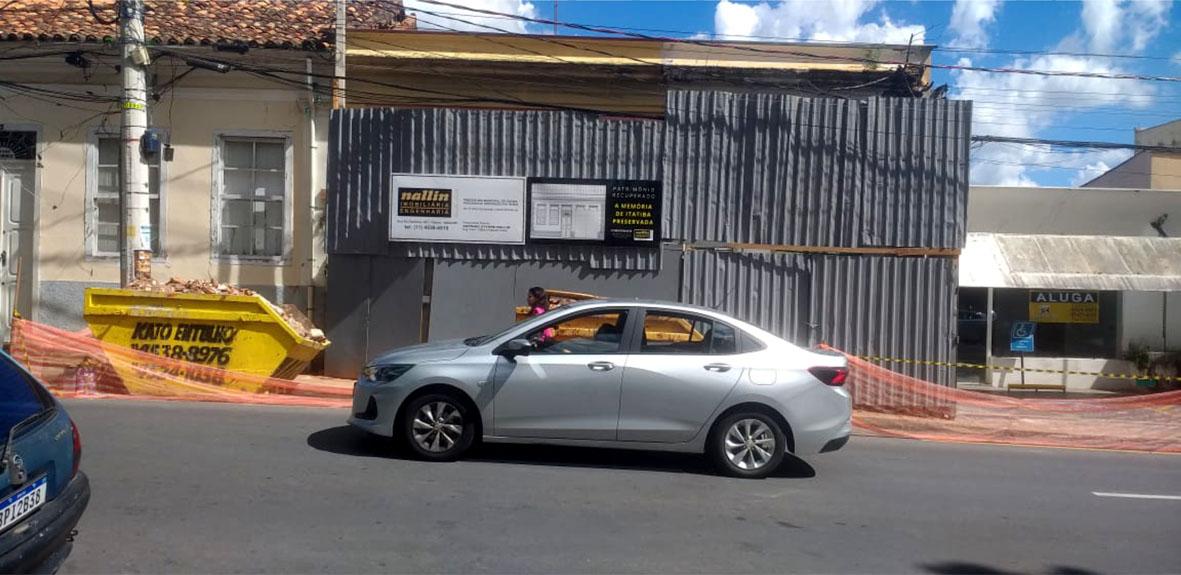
(953, 49)
(957, 67)
(795, 85)
(277, 74)
(1076, 144)
(100, 19)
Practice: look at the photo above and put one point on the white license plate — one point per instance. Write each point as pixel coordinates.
(20, 504)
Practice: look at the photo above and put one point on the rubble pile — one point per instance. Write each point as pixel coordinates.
(300, 322)
(290, 314)
(176, 285)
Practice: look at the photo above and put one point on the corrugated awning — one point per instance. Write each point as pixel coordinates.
(1071, 262)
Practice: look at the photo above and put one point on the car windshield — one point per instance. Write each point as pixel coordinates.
(20, 397)
(483, 339)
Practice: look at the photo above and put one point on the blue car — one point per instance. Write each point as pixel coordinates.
(42, 491)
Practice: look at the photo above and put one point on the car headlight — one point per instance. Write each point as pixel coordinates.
(385, 373)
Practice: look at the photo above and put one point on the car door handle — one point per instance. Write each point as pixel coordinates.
(601, 366)
(717, 367)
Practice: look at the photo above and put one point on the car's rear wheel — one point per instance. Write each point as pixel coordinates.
(749, 445)
(438, 427)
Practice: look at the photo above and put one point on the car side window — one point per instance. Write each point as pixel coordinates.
(749, 344)
(676, 333)
(592, 333)
(19, 397)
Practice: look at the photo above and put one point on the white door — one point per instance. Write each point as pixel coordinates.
(17, 199)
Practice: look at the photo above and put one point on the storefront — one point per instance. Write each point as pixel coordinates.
(1093, 301)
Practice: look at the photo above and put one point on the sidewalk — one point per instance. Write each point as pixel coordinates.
(1042, 394)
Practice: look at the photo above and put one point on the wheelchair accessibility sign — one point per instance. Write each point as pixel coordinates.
(1021, 337)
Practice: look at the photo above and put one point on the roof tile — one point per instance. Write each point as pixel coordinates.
(260, 23)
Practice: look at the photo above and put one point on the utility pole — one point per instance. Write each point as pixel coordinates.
(136, 256)
(338, 52)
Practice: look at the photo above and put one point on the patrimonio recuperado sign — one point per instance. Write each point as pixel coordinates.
(1057, 306)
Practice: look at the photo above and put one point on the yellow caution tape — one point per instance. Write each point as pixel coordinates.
(129, 105)
(880, 359)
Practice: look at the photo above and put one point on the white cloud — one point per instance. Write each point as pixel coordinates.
(1025, 106)
(838, 20)
(1149, 18)
(1028, 106)
(436, 17)
(968, 19)
(1108, 23)
(1015, 105)
(1100, 163)
(1101, 23)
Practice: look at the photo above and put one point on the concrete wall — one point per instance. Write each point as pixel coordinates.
(1073, 382)
(192, 115)
(1143, 320)
(1072, 211)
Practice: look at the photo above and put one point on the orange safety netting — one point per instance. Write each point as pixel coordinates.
(76, 365)
(890, 404)
(885, 402)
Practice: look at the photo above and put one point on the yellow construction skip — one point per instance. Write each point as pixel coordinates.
(239, 333)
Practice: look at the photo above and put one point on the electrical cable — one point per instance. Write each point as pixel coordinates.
(94, 13)
(959, 67)
(937, 48)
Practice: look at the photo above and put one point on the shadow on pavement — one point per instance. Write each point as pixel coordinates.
(965, 568)
(345, 440)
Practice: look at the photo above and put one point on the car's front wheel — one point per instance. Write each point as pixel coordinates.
(749, 445)
(438, 427)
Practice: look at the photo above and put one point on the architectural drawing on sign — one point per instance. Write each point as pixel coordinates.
(568, 211)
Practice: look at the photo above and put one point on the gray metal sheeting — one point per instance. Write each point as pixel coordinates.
(864, 305)
(369, 145)
(774, 169)
(1071, 262)
(741, 168)
(736, 167)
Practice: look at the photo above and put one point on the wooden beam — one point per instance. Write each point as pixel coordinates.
(905, 252)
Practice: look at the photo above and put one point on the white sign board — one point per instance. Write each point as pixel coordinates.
(457, 209)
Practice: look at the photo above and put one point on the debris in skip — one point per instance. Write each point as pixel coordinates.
(290, 314)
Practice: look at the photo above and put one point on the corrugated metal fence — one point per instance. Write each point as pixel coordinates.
(369, 145)
(740, 168)
(774, 169)
(865, 305)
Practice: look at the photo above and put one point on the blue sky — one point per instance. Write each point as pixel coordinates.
(1069, 108)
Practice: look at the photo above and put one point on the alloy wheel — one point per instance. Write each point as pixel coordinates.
(750, 444)
(437, 426)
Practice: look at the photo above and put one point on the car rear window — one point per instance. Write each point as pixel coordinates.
(20, 397)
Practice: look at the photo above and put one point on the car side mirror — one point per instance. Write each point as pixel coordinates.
(514, 347)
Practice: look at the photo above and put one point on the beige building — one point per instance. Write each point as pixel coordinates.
(1148, 170)
(1097, 269)
(238, 183)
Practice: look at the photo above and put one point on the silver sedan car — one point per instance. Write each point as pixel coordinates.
(621, 374)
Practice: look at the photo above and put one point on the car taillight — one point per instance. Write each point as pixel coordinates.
(77, 448)
(834, 376)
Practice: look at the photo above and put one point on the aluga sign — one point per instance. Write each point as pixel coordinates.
(1064, 297)
(1064, 306)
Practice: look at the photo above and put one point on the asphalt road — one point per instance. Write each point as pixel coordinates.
(182, 487)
